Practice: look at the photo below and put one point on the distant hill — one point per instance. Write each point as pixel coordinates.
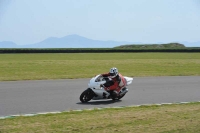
(152, 46)
(8, 44)
(73, 41)
(70, 41)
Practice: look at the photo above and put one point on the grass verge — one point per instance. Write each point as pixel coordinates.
(183, 118)
(86, 65)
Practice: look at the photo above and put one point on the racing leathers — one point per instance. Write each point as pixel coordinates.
(115, 85)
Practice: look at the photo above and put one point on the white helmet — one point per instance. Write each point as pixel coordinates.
(113, 72)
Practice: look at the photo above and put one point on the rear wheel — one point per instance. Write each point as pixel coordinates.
(86, 96)
(119, 97)
(122, 95)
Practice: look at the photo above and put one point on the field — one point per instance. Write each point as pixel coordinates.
(82, 65)
(182, 118)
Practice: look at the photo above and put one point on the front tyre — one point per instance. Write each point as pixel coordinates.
(86, 96)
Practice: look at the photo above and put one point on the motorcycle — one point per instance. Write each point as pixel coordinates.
(95, 91)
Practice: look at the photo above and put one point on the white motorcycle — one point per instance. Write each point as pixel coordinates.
(96, 92)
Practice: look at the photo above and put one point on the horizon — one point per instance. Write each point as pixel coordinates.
(99, 40)
(131, 21)
(124, 42)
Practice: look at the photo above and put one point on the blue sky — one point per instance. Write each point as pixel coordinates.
(147, 21)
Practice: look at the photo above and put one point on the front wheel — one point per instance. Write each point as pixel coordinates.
(86, 96)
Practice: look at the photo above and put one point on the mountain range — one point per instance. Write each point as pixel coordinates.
(70, 41)
(76, 41)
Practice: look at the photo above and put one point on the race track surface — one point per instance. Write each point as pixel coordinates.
(22, 97)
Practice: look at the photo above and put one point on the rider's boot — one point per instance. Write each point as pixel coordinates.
(113, 94)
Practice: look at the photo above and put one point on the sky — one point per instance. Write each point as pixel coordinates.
(146, 21)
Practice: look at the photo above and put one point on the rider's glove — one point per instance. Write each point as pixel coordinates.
(107, 88)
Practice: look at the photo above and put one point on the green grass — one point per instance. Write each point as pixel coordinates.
(183, 118)
(86, 65)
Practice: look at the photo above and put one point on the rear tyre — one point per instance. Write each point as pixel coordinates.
(122, 95)
(86, 96)
(119, 97)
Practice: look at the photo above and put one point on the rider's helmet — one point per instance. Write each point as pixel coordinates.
(113, 72)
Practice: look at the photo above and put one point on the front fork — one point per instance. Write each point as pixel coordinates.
(91, 92)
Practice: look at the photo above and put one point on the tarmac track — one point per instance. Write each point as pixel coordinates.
(23, 97)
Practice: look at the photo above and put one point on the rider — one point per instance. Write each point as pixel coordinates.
(116, 84)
